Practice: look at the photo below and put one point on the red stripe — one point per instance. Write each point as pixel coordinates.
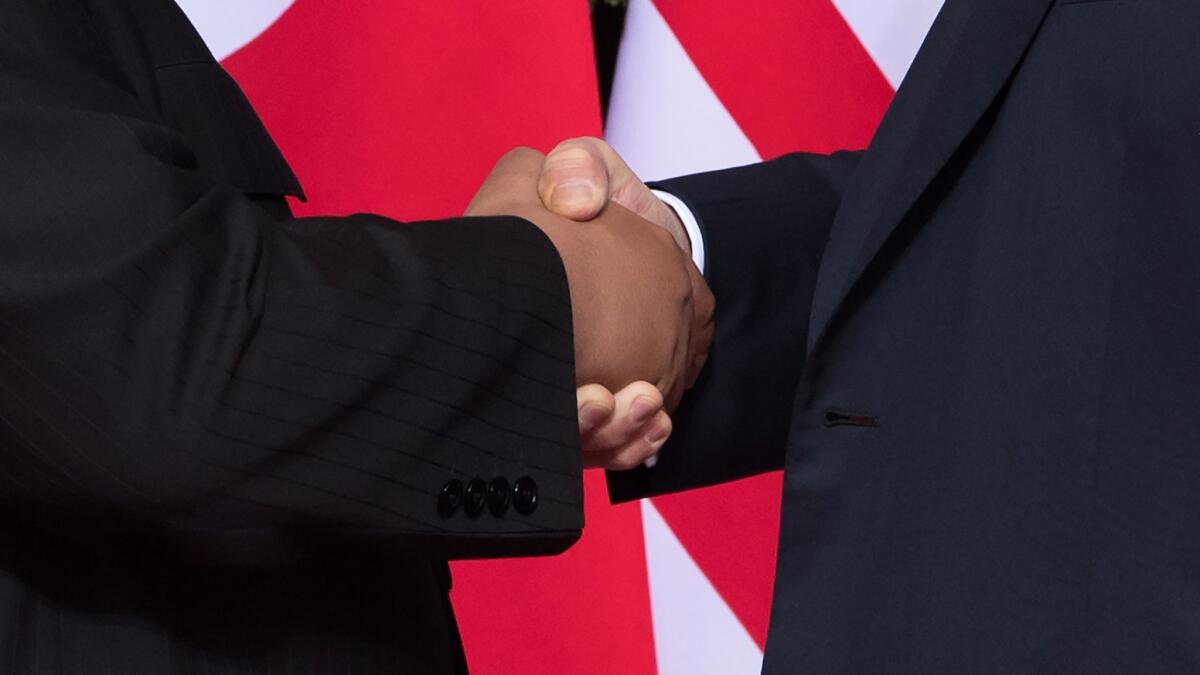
(730, 531)
(791, 72)
(401, 108)
(794, 77)
(587, 611)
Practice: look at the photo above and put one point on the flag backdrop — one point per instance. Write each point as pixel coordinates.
(708, 84)
(400, 108)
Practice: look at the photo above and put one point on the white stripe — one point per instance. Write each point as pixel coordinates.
(695, 632)
(664, 119)
(229, 25)
(890, 30)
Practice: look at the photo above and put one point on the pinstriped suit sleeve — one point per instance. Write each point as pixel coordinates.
(175, 363)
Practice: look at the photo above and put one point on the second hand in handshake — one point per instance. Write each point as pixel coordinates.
(642, 313)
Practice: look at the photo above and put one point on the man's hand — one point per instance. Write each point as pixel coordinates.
(631, 293)
(579, 179)
(622, 431)
(582, 176)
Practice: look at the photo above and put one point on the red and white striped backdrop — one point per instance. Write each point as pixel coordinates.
(708, 84)
(400, 107)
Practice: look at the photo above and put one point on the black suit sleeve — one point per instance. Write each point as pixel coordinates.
(175, 364)
(765, 228)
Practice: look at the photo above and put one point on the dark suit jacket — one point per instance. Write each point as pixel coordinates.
(225, 434)
(974, 349)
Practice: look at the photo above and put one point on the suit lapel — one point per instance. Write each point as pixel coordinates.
(969, 56)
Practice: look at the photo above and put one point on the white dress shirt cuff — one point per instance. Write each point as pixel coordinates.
(690, 225)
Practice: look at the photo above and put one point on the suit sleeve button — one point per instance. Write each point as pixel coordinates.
(498, 494)
(474, 498)
(525, 495)
(449, 498)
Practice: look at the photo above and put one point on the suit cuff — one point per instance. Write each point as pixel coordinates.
(690, 225)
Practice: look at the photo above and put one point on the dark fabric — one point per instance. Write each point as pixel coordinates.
(758, 317)
(1010, 294)
(223, 431)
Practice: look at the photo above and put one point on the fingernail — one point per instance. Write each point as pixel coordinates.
(642, 409)
(591, 415)
(574, 193)
(657, 435)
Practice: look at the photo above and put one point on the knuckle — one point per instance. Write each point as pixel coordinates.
(572, 152)
(585, 142)
(636, 197)
(593, 392)
(520, 153)
(582, 148)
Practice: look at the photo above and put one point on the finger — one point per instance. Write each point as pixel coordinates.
(640, 450)
(575, 178)
(513, 180)
(635, 408)
(582, 176)
(595, 405)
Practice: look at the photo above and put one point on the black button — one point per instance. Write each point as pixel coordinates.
(449, 498)
(525, 495)
(475, 497)
(498, 496)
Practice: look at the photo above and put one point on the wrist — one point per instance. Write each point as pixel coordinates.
(669, 220)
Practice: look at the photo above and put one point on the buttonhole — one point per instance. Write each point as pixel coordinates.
(837, 418)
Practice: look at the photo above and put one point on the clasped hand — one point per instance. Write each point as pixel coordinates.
(642, 313)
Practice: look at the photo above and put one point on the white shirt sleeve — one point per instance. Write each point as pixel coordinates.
(690, 224)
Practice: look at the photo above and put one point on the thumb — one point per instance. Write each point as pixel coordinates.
(580, 176)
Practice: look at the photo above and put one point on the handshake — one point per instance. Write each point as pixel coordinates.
(642, 313)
